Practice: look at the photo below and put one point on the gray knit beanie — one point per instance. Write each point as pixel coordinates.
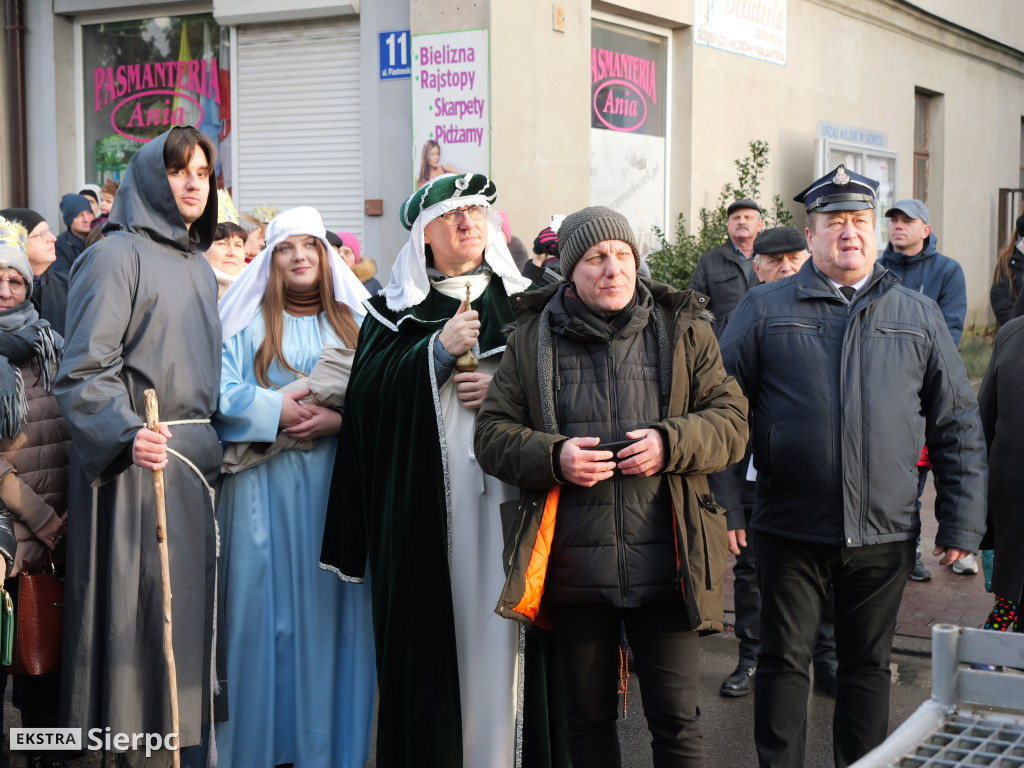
(584, 229)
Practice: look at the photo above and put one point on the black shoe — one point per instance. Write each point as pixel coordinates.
(825, 678)
(920, 573)
(739, 683)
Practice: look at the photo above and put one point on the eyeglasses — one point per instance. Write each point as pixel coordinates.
(451, 218)
(44, 234)
(14, 283)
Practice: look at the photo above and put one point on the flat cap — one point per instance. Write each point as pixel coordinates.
(743, 202)
(779, 240)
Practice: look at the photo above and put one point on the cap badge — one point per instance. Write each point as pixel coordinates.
(461, 183)
(841, 178)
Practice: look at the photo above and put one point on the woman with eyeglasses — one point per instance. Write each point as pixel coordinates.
(50, 288)
(34, 449)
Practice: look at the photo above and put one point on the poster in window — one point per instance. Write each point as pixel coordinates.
(144, 76)
(451, 110)
(627, 126)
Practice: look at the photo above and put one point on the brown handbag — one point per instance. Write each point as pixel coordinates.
(38, 622)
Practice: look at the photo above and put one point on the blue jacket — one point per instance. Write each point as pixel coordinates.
(938, 277)
(842, 397)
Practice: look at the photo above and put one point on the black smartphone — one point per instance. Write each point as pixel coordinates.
(615, 446)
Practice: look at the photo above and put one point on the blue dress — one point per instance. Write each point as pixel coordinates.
(300, 656)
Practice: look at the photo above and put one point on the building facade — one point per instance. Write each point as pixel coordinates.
(640, 105)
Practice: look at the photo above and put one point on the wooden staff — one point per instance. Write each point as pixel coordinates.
(153, 424)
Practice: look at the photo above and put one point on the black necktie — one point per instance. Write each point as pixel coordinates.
(847, 291)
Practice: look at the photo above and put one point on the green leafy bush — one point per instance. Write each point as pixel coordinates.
(675, 261)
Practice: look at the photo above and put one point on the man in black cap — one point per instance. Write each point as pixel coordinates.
(847, 373)
(725, 273)
(778, 253)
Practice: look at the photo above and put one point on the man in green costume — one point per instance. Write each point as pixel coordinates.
(459, 686)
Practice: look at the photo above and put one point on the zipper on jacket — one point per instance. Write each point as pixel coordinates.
(899, 331)
(616, 481)
(519, 532)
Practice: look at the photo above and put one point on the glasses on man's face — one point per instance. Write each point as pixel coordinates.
(14, 283)
(44, 234)
(451, 218)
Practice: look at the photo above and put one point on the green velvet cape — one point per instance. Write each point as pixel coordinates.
(389, 506)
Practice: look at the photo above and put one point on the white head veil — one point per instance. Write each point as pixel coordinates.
(409, 284)
(242, 300)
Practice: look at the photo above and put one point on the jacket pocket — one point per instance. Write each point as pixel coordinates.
(512, 519)
(714, 532)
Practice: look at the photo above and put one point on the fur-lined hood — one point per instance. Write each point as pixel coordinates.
(365, 268)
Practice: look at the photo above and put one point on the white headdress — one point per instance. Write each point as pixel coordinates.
(242, 300)
(409, 284)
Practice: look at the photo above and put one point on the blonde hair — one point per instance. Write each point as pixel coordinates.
(338, 316)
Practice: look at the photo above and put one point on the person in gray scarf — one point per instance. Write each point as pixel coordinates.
(33, 456)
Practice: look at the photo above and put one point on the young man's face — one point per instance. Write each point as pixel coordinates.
(907, 235)
(191, 186)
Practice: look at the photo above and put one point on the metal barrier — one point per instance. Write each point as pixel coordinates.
(975, 717)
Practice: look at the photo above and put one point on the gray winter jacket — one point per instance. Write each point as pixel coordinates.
(842, 397)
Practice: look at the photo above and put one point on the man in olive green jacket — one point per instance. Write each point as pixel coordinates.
(639, 539)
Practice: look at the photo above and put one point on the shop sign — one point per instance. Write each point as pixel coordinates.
(755, 28)
(628, 122)
(144, 76)
(451, 123)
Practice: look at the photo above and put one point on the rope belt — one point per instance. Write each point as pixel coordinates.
(214, 682)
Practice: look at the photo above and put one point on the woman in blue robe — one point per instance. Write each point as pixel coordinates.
(300, 655)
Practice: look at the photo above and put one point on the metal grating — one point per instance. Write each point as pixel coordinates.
(969, 739)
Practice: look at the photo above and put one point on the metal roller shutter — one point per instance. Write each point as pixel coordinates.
(298, 120)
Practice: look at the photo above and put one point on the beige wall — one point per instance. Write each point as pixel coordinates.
(998, 19)
(540, 95)
(862, 69)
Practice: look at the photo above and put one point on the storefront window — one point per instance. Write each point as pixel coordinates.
(143, 76)
(628, 120)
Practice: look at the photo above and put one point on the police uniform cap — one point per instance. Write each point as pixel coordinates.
(839, 190)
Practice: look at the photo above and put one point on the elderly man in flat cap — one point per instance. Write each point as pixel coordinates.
(848, 373)
(724, 274)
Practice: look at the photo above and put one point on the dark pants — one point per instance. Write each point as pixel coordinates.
(747, 605)
(794, 578)
(667, 658)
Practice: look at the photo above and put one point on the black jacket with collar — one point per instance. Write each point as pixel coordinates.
(721, 276)
(842, 396)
